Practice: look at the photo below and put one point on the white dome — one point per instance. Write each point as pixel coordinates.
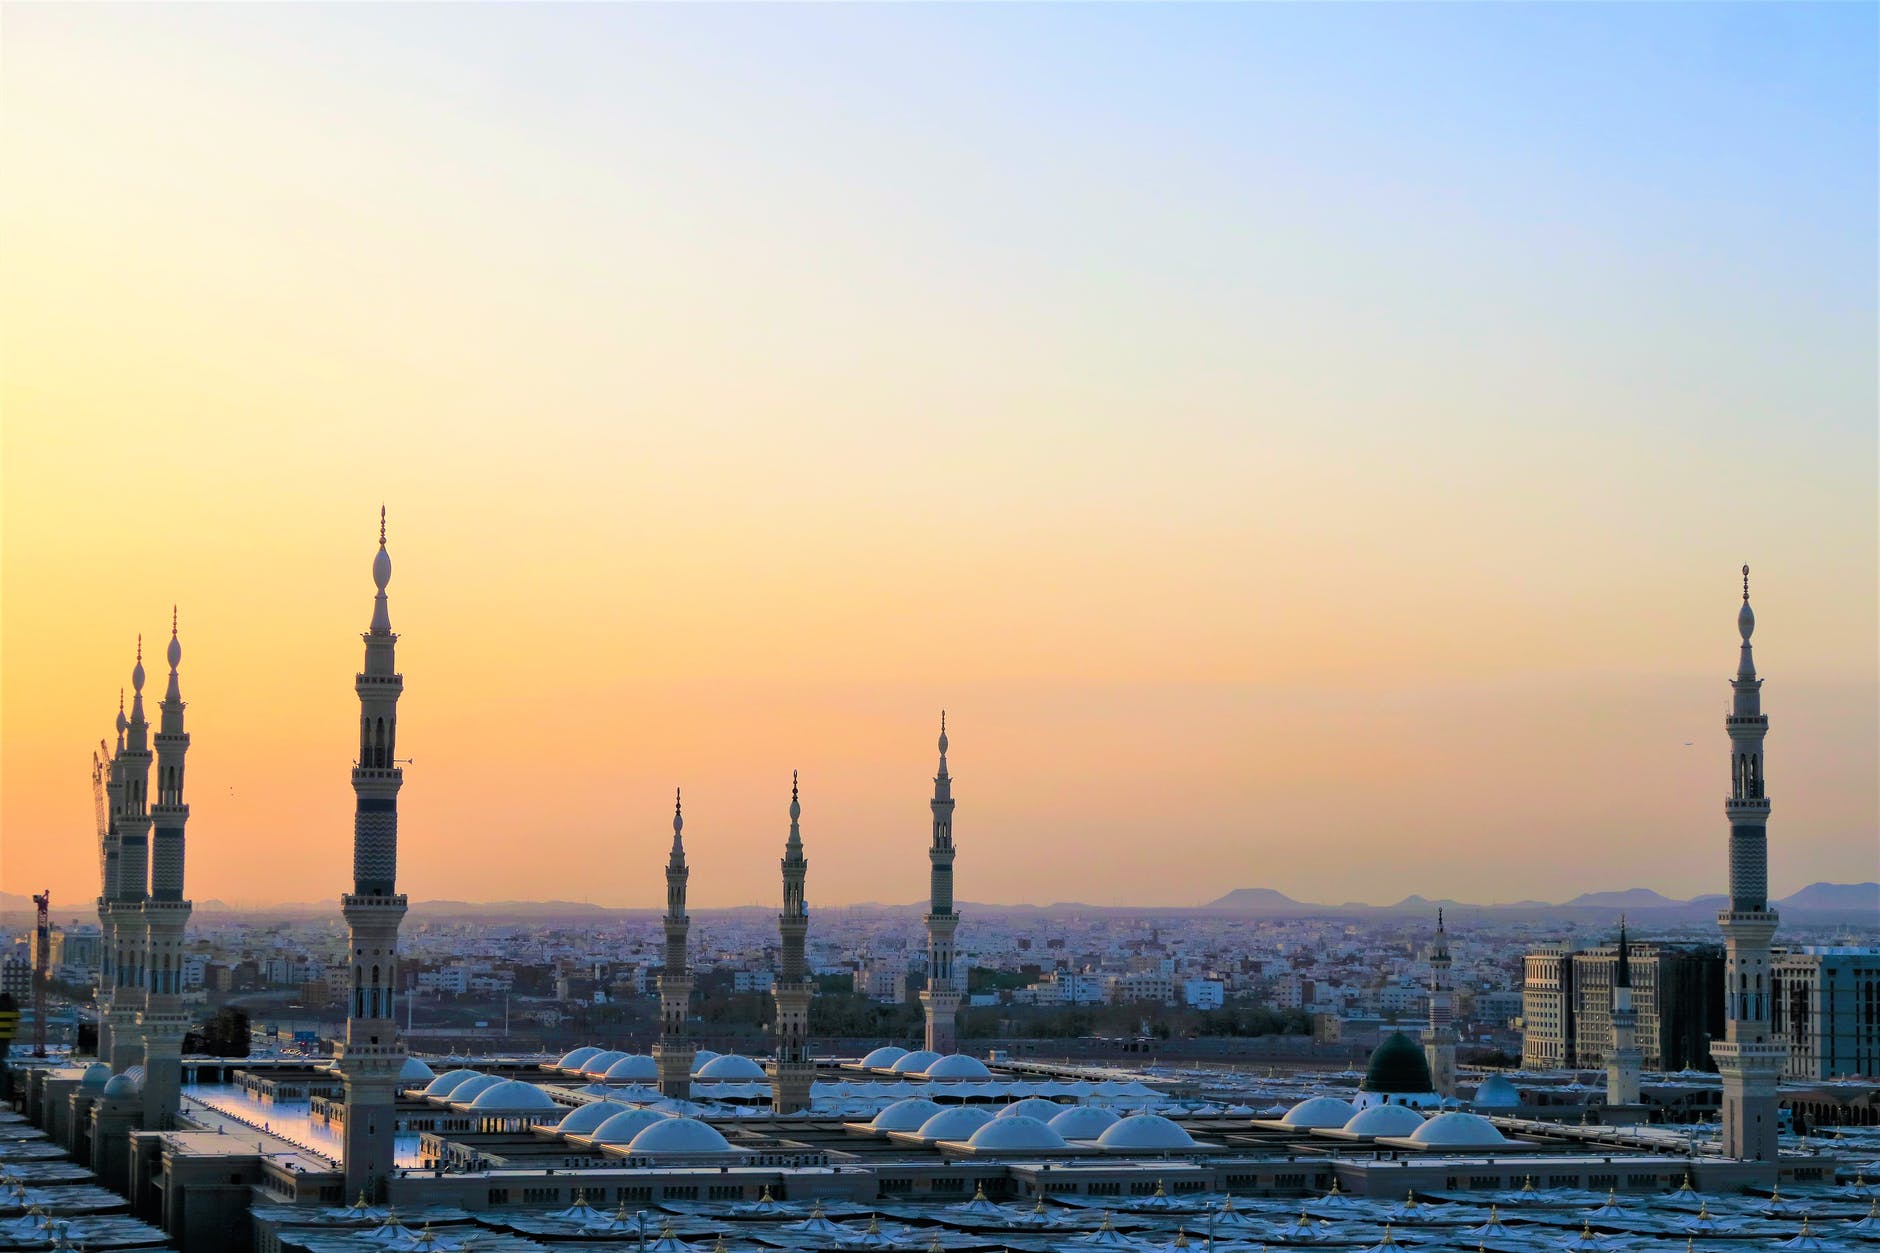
(884, 1057)
(634, 1067)
(415, 1072)
(96, 1076)
(1146, 1131)
(1017, 1134)
(585, 1119)
(1497, 1092)
(1457, 1130)
(958, 1066)
(471, 1087)
(1083, 1122)
(576, 1059)
(1385, 1120)
(914, 1063)
(597, 1065)
(1032, 1107)
(702, 1056)
(118, 1087)
(905, 1115)
(622, 1127)
(679, 1135)
(957, 1123)
(512, 1096)
(1320, 1111)
(447, 1082)
(730, 1066)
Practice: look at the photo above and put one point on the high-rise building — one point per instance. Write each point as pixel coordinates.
(1439, 1042)
(162, 1022)
(1827, 1010)
(791, 1070)
(674, 1051)
(941, 997)
(373, 1053)
(1547, 1021)
(1567, 999)
(1748, 1059)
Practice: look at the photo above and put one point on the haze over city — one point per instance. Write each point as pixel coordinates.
(1345, 498)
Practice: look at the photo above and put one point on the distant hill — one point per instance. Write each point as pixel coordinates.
(1257, 901)
(1820, 901)
(1629, 898)
(1839, 897)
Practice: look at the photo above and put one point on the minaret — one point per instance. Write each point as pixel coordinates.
(792, 1071)
(1748, 1061)
(373, 1054)
(1622, 1062)
(1439, 1042)
(940, 998)
(133, 824)
(674, 1050)
(110, 856)
(166, 913)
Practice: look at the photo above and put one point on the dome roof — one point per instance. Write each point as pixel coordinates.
(576, 1059)
(914, 1063)
(1032, 1107)
(905, 1115)
(118, 1087)
(958, 1066)
(447, 1082)
(1385, 1120)
(730, 1066)
(884, 1057)
(470, 1087)
(679, 1135)
(512, 1096)
(1319, 1111)
(1083, 1122)
(96, 1076)
(955, 1123)
(597, 1065)
(1017, 1134)
(700, 1057)
(1398, 1065)
(1497, 1092)
(1457, 1130)
(584, 1119)
(415, 1072)
(1146, 1131)
(634, 1067)
(622, 1127)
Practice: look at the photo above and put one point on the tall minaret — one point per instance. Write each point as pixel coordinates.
(1439, 1042)
(792, 1071)
(110, 856)
(127, 1000)
(1747, 1060)
(166, 913)
(1622, 1062)
(940, 998)
(674, 1050)
(373, 1054)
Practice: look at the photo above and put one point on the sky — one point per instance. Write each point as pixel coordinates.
(1301, 446)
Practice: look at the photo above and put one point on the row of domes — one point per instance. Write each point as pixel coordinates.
(612, 1064)
(1451, 1129)
(1058, 1124)
(926, 1062)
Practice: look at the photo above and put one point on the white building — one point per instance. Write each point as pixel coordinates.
(1204, 993)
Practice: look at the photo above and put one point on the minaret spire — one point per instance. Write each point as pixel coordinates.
(373, 1054)
(1622, 1063)
(1748, 1060)
(134, 818)
(111, 857)
(166, 912)
(674, 1052)
(1439, 1040)
(940, 999)
(792, 1070)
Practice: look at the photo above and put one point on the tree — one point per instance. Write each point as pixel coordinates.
(224, 1035)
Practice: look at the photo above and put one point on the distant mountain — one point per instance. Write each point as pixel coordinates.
(1258, 901)
(1629, 898)
(1839, 897)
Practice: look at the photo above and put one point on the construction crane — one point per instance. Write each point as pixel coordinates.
(42, 933)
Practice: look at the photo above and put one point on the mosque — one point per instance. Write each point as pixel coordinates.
(531, 1153)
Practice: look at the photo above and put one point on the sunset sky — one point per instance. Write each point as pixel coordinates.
(1301, 446)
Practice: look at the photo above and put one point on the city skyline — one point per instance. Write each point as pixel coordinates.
(1256, 527)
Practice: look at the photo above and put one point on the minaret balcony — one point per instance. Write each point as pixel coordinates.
(1746, 806)
(1746, 720)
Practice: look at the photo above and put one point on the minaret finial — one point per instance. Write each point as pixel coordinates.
(1745, 582)
(382, 528)
(172, 620)
(678, 813)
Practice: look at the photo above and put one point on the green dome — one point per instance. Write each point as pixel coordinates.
(1398, 1065)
